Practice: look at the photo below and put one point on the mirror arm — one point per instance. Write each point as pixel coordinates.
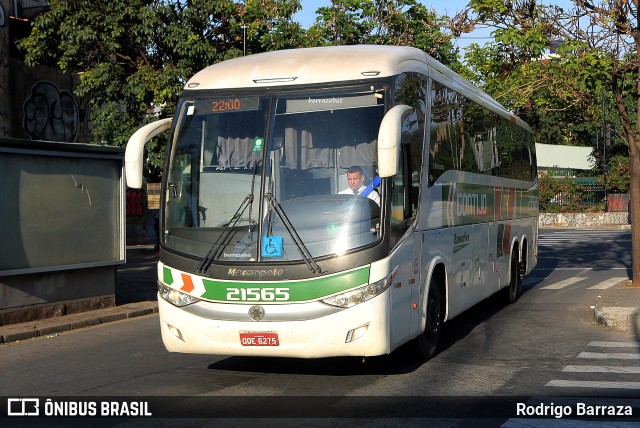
(134, 153)
(389, 140)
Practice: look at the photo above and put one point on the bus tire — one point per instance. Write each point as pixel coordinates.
(515, 285)
(427, 342)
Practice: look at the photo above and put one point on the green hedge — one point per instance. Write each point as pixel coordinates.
(569, 195)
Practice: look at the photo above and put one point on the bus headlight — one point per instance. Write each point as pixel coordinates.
(360, 294)
(175, 297)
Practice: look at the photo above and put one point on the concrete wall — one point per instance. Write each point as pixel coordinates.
(584, 220)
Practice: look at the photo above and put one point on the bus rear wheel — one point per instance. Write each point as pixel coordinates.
(515, 285)
(427, 342)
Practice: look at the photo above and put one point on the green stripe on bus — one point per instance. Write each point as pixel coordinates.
(297, 291)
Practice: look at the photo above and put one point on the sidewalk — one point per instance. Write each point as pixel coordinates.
(618, 307)
(136, 287)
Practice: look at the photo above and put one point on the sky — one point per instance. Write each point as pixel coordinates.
(307, 15)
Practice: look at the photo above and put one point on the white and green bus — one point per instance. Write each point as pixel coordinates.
(262, 253)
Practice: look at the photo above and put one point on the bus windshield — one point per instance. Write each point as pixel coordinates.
(274, 178)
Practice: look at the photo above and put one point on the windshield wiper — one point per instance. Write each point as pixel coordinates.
(304, 251)
(218, 246)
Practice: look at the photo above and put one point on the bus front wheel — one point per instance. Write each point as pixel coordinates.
(427, 342)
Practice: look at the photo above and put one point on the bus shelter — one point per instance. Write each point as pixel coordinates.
(63, 227)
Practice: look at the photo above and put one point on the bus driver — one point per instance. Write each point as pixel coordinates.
(355, 179)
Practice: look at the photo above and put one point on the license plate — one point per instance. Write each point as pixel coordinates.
(268, 338)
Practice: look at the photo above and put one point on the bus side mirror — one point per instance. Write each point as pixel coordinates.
(135, 150)
(389, 139)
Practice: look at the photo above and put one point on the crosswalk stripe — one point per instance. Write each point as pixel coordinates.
(593, 384)
(608, 283)
(609, 356)
(562, 284)
(606, 370)
(614, 344)
(602, 369)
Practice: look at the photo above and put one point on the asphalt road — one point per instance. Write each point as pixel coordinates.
(543, 347)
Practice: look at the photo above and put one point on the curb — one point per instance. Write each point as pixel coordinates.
(619, 309)
(625, 319)
(51, 327)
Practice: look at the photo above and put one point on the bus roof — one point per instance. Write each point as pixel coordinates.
(307, 66)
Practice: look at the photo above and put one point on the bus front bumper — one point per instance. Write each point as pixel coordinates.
(362, 330)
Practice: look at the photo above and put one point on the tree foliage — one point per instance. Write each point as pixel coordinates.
(530, 67)
(382, 22)
(619, 177)
(133, 57)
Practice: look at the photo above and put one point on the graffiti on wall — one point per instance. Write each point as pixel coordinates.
(51, 113)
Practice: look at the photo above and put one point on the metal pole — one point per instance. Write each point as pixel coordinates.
(604, 154)
(244, 40)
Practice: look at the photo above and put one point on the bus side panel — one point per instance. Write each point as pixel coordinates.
(497, 257)
(401, 290)
(437, 245)
(483, 273)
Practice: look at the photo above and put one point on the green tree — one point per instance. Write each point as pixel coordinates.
(598, 53)
(134, 56)
(383, 22)
(518, 70)
(619, 177)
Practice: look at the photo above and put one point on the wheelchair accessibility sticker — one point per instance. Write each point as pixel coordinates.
(272, 246)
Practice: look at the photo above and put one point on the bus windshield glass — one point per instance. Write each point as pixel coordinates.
(274, 178)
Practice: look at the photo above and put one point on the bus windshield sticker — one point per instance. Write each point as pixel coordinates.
(271, 246)
(329, 103)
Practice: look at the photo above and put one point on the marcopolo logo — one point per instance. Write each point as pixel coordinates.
(260, 273)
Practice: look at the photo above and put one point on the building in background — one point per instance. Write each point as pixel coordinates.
(564, 161)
